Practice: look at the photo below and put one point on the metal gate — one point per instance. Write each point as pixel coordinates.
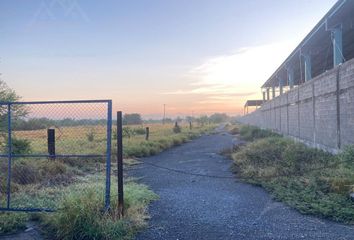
(44, 147)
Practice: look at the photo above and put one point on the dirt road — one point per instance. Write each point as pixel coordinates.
(195, 206)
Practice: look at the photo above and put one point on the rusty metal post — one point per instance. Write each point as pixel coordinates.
(147, 132)
(51, 143)
(120, 164)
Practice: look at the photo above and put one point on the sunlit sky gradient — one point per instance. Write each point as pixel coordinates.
(199, 56)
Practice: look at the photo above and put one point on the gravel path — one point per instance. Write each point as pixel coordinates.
(199, 207)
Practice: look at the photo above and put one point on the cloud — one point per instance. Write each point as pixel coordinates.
(239, 74)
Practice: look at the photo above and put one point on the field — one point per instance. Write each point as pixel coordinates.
(59, 183)
(92, 139)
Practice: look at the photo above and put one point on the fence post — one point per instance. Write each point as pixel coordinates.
(275, 115)
(147, 132)
(298, 112)
(314, 113)
(51, 143)
(9, 155)
(120, 164)
(287, 113)
(108, 156)
(338, 108)
(190, 125)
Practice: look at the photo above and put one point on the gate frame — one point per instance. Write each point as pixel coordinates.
(10, 156)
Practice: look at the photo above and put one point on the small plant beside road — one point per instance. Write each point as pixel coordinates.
(310, 180)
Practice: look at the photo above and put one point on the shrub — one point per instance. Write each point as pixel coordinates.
(259, 157)
(21, 146)
(90, 136)
(310, 180)
(347, 156)
(177, 141)
(81, 215)
(23, 173)
(282, 156)
(114, 134)
(235, 131)
(132, 119)
(11, 222)
(54, 173)
(177, 128)
(140, 131)
(250, 133)
(128, 132)
(43, 171)
(299, 158)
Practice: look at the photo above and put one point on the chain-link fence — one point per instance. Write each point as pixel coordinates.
(49, 149)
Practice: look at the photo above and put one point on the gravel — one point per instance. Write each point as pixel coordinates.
(194, 206)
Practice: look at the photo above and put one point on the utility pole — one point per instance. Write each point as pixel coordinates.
(164, 114)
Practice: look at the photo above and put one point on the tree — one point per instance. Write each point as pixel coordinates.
(131, 119)
(17, 111)
(178, 119)
(9, 95)
(167, 120)
(218, 118)
(177, 128)
(202, 120)
(190, 119)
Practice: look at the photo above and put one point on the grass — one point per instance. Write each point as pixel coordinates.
(251, 133)
(92, 139)
(12, 221)
(161, 138)
(69, 140)
(80, 214)
(310, 180)
(82, 217)
(75, 185)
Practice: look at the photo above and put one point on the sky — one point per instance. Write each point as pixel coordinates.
(195, 56)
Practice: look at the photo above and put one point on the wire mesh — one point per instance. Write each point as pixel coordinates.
(49, 149)
(3, 128)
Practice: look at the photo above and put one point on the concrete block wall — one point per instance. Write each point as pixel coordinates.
(326, 109)
(284, 113)
(346, 103)
(319, 112)
(306, 114)
(277, 107)
(293, 109)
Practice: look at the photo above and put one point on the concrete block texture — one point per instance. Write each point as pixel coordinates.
(319, 112)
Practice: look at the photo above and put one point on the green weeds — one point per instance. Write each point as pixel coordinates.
(75, 185)
(161, 138)
(251, 133)
(80, 212)
(82, 217)
(308, 179)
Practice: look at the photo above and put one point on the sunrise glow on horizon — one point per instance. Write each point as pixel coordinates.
(196, 57)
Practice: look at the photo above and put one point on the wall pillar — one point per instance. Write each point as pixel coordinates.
(264, 96)
(273, 92)
(281, 85)
(308, 67)
(267, 94)
(337, 41)
(290, 73)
